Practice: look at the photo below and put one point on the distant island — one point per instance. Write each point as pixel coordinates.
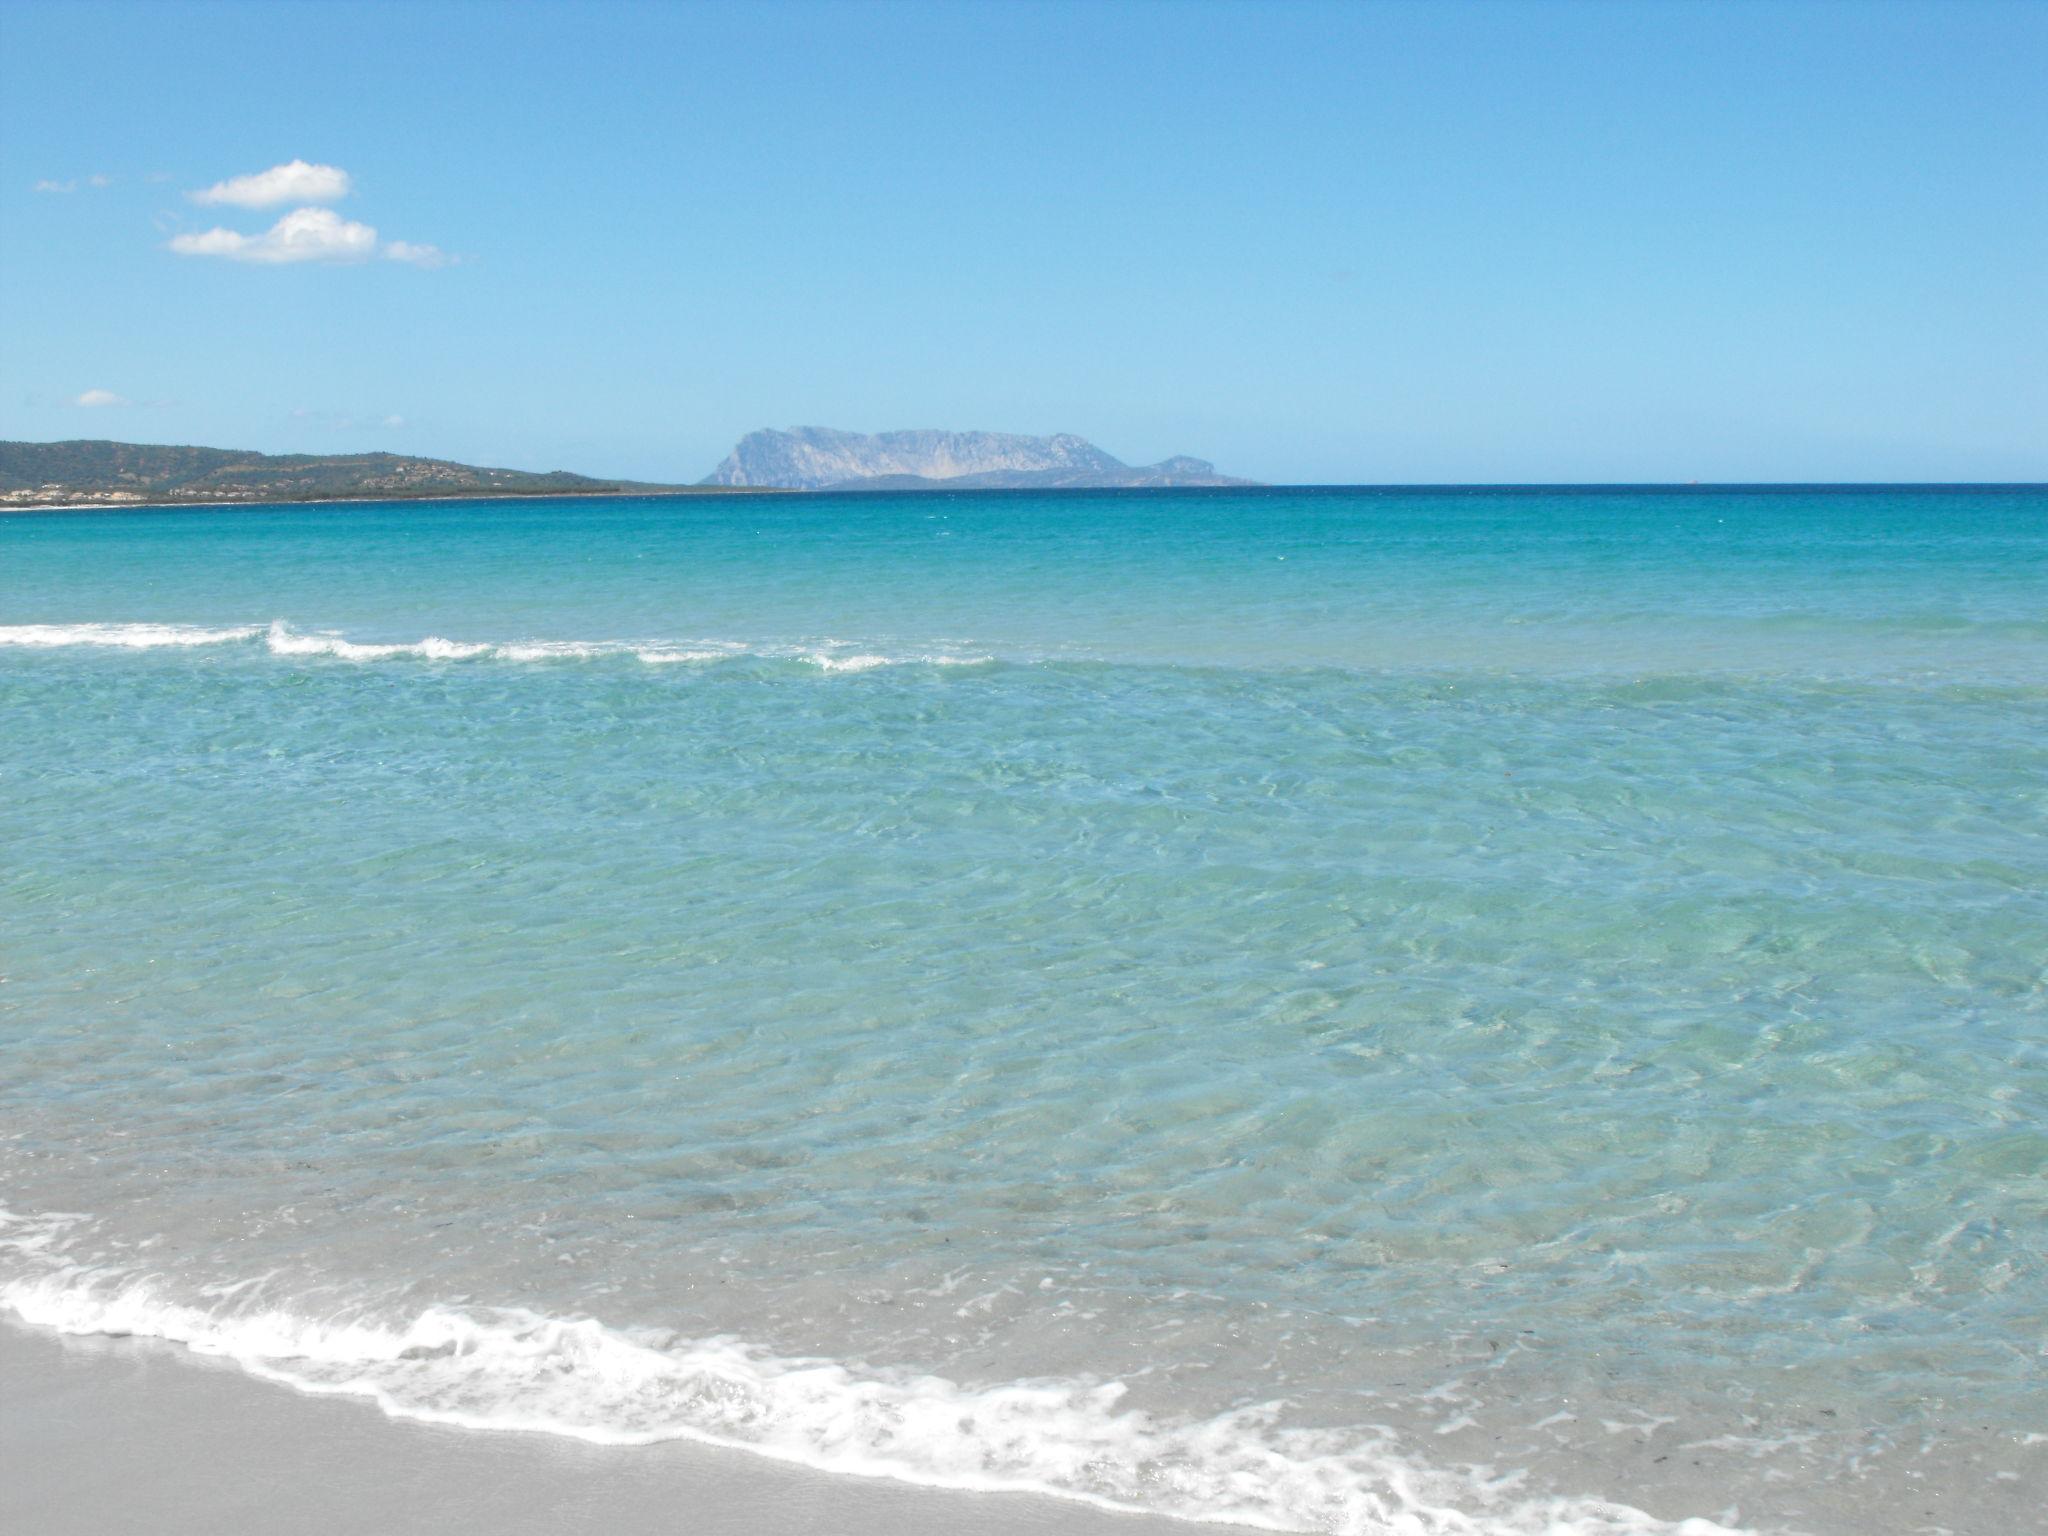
(96, 472)
(824, 459)
(100, 473)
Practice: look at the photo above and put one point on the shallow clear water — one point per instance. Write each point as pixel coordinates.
(1388, 1011)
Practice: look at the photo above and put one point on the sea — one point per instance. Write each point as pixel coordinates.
(1453, 1012)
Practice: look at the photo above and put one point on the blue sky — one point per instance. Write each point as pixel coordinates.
(1386, 243)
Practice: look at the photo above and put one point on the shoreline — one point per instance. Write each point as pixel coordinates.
(1428, 489)
(384, 501)
(103, 1433)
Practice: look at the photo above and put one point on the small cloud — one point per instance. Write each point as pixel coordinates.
(418, 255)
(304, 234)
(97, 180)
(393, 422)
(158, 178)
(56, 186)
(293, 182)
(101, 397)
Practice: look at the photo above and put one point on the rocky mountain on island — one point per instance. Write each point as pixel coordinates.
(824, 459)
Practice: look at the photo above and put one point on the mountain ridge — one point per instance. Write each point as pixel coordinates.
(828, 458)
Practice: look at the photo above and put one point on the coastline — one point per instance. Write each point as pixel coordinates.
(378, 501)
(1514, 489)
(105, 1434)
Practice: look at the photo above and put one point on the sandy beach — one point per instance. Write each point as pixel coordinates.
(100, 1435)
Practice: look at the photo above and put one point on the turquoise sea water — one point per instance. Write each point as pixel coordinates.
(1344, 1010)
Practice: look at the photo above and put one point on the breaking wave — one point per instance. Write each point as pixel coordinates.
(281, 639)
(505, 1369)
(132, 637)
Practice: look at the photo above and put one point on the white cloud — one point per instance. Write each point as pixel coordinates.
(56, 186)
(97, 180)
(418, 255)
(307, 233)
(304, 234)
(293, 182)
(98, 397)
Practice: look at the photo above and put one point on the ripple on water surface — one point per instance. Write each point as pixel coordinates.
(1628, 1078)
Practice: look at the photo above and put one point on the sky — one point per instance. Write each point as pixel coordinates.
(1360, 243)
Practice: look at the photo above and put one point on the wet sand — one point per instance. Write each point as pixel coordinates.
(106, 1435)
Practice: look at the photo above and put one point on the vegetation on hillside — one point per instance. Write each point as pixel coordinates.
(98, 471)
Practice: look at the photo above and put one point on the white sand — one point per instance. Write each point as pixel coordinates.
(127, 1435)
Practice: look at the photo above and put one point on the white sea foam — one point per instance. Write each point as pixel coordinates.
(281, 639)
(658, 656)
(864, 661)
(133, 637)
(285, 641)
(507, 1369)
(855, 663)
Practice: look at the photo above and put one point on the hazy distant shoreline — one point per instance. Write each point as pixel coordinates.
(384, 500)
(85, 475)
(1504, 488)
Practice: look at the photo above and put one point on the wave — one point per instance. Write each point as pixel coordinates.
(506, 1369)
(1633, 683)
(280, 639)
(132, 637)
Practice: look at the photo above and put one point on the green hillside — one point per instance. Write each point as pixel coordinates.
(110, 473)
